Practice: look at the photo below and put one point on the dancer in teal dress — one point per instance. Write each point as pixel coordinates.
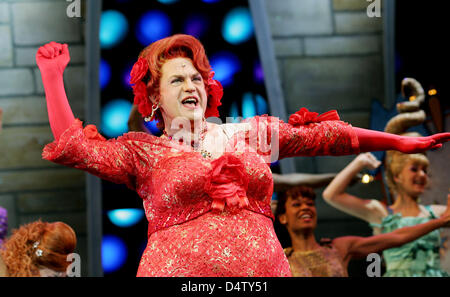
(407, 179)
(417, 258)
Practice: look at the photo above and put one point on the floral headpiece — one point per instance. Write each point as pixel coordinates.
(141, 99)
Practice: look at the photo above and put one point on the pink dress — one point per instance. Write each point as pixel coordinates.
(205, 217)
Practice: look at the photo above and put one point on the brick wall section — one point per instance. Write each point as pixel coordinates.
(329, 54)
(32, 188)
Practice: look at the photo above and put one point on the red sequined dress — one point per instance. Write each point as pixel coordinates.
(207, 217)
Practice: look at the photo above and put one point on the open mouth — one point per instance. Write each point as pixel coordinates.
(419, 182)
(190, 102)
(306, 216)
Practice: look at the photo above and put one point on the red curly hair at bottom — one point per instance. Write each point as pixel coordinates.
(56, 240)
(178, 45)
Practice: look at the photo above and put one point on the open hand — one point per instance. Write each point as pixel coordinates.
(412, 145)
(53, 56)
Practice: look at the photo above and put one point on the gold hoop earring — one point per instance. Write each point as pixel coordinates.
(154, 109)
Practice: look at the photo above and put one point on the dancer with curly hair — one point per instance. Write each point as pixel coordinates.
(38, 249)
(206, 188)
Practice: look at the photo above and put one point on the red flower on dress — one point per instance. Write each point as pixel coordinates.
(215, 93)
(304, 117)
(139, 70)
(228, 183)
(91, 132)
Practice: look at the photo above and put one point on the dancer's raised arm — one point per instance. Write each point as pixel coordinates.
(52, 59)
(335, 194)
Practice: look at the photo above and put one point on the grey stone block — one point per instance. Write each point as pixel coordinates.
(293, 17)
(25, 56)
(24, 110)
(45, 179)
(4, 13)
(356, 119)
(6, 55)
(332, 164)
(22, 147)
(16, 82)
(355, 23)
(60, 201)
(350, 4)
(321, 84)
(37, 23)
(288, 47)
(76, 220)
(342, 45)
(305, 164)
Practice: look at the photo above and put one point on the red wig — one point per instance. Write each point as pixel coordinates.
(148, 74)
(55, 240)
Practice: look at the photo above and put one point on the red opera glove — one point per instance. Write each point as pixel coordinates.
(52, 59)
(370, 141)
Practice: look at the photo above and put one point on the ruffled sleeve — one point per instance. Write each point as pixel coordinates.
(119, 160)
(306, 134)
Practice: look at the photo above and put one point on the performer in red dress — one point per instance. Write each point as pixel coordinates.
(207, 200)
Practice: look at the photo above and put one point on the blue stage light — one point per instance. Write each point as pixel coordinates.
(104, 73)
(258, 73)
(234, 112)
(237, 26)
(115, 116)
(261, 105)
(167, 1)
(114, 253)
(225, 65)
(248, 105)
(152, 26)
(196, 25)
(151, 126)
(125, 217)
(113, 28)
(211, 1)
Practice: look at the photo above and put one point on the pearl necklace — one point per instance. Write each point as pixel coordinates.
(198, 147)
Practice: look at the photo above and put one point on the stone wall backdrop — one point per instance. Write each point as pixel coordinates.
(32, 188)
(330, 56)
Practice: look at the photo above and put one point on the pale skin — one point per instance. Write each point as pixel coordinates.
(300, 219)
(411, 183)
(180, 80)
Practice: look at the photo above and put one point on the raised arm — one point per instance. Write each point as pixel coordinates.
(52, 59)
(335, 194)
(357, 247)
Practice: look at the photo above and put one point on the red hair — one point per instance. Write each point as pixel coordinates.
(157, 53)
(56, 240)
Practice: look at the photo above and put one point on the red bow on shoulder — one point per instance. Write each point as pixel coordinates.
(304, 117)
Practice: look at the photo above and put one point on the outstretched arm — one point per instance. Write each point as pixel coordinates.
(356, 247)
(335, 194)
(370, 141)
(52, 59)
